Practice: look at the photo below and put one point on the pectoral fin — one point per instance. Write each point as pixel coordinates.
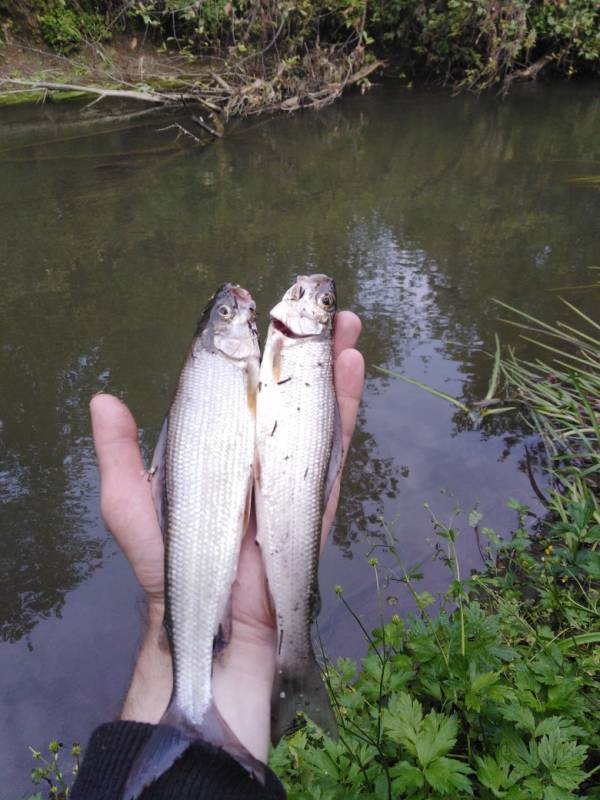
(158, 476)
(336, 457)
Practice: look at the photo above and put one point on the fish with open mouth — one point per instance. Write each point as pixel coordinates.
(202, 486)
(299, 455)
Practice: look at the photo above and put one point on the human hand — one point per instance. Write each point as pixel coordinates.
(243, 677)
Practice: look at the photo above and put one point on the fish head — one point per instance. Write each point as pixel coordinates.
(228, 325)
(307, 308)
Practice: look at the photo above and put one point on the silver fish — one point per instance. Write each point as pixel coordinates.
(298, 438)
(202, 485)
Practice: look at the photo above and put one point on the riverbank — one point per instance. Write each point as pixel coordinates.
(237, 59)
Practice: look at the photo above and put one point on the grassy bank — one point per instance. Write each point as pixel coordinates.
(278, 55)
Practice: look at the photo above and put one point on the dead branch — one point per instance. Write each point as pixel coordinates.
(530, 73)
(146, 96)
(180, 130)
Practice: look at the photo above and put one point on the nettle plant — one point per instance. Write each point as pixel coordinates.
(496, 696)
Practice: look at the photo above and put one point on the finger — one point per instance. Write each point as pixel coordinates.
(347, 329)
(349, 376)
(125, 494)
(115, 437)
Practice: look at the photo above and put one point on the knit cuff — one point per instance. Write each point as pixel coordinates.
(202, 772)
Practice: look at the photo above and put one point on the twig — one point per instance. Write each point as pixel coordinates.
(199, 121)
(181, 129)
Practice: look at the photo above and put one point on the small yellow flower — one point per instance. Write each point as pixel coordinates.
(549, 550)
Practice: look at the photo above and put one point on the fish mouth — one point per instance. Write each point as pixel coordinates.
(282, 328)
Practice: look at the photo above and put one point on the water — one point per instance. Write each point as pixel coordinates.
(424, 207)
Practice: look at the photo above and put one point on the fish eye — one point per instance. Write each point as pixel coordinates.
(224, 312)
(327, 300)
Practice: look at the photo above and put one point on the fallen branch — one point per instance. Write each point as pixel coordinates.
(529, 73)
(146, 96)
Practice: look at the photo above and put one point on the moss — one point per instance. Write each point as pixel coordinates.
(18, 98)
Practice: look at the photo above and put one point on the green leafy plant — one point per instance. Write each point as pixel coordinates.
(497, 695)
(66, 28)
(51, 773)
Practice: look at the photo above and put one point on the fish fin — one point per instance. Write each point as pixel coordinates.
(171, 738)
(168, 742)
(223, 634)
(298, 695)
(336, 456)
(158, 475)
(217, 732)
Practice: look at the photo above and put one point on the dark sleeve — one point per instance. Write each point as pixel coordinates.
(202, 772)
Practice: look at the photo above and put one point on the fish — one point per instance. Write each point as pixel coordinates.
(202, 479)
(299, 456)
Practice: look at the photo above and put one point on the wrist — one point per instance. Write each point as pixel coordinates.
(242, 687)
(152, 681)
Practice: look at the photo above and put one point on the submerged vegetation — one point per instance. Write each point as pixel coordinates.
(282, 55)
(497, 693)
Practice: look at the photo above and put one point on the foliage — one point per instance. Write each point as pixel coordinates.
(478, 43)
(51, 773)
(495, 696)
(469, 43)
(65, 28)
(498, 694)
(562, 402)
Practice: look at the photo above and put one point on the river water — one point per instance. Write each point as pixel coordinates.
(423, 206)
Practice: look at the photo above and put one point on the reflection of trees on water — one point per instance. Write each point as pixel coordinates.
(45, 472)
(368, 480)
(422, 207)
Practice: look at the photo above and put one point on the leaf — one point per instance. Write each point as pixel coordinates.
(402, 720)
(436, 737)
(447, 775)
(554, 793)
(579, 639)
(480, 684)
(562, 757)
(521, 716)
(495, 372)
(406, 777)
(546, 726)
(490, 774)
(434, 392)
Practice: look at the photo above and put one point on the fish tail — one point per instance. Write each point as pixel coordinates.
(298, 694)
(171, 738)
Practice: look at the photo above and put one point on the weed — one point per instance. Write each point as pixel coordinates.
(51, 773)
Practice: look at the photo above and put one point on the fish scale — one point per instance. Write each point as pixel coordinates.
(298, 442)
(294, 429)
(202, 472)
(210, 454)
